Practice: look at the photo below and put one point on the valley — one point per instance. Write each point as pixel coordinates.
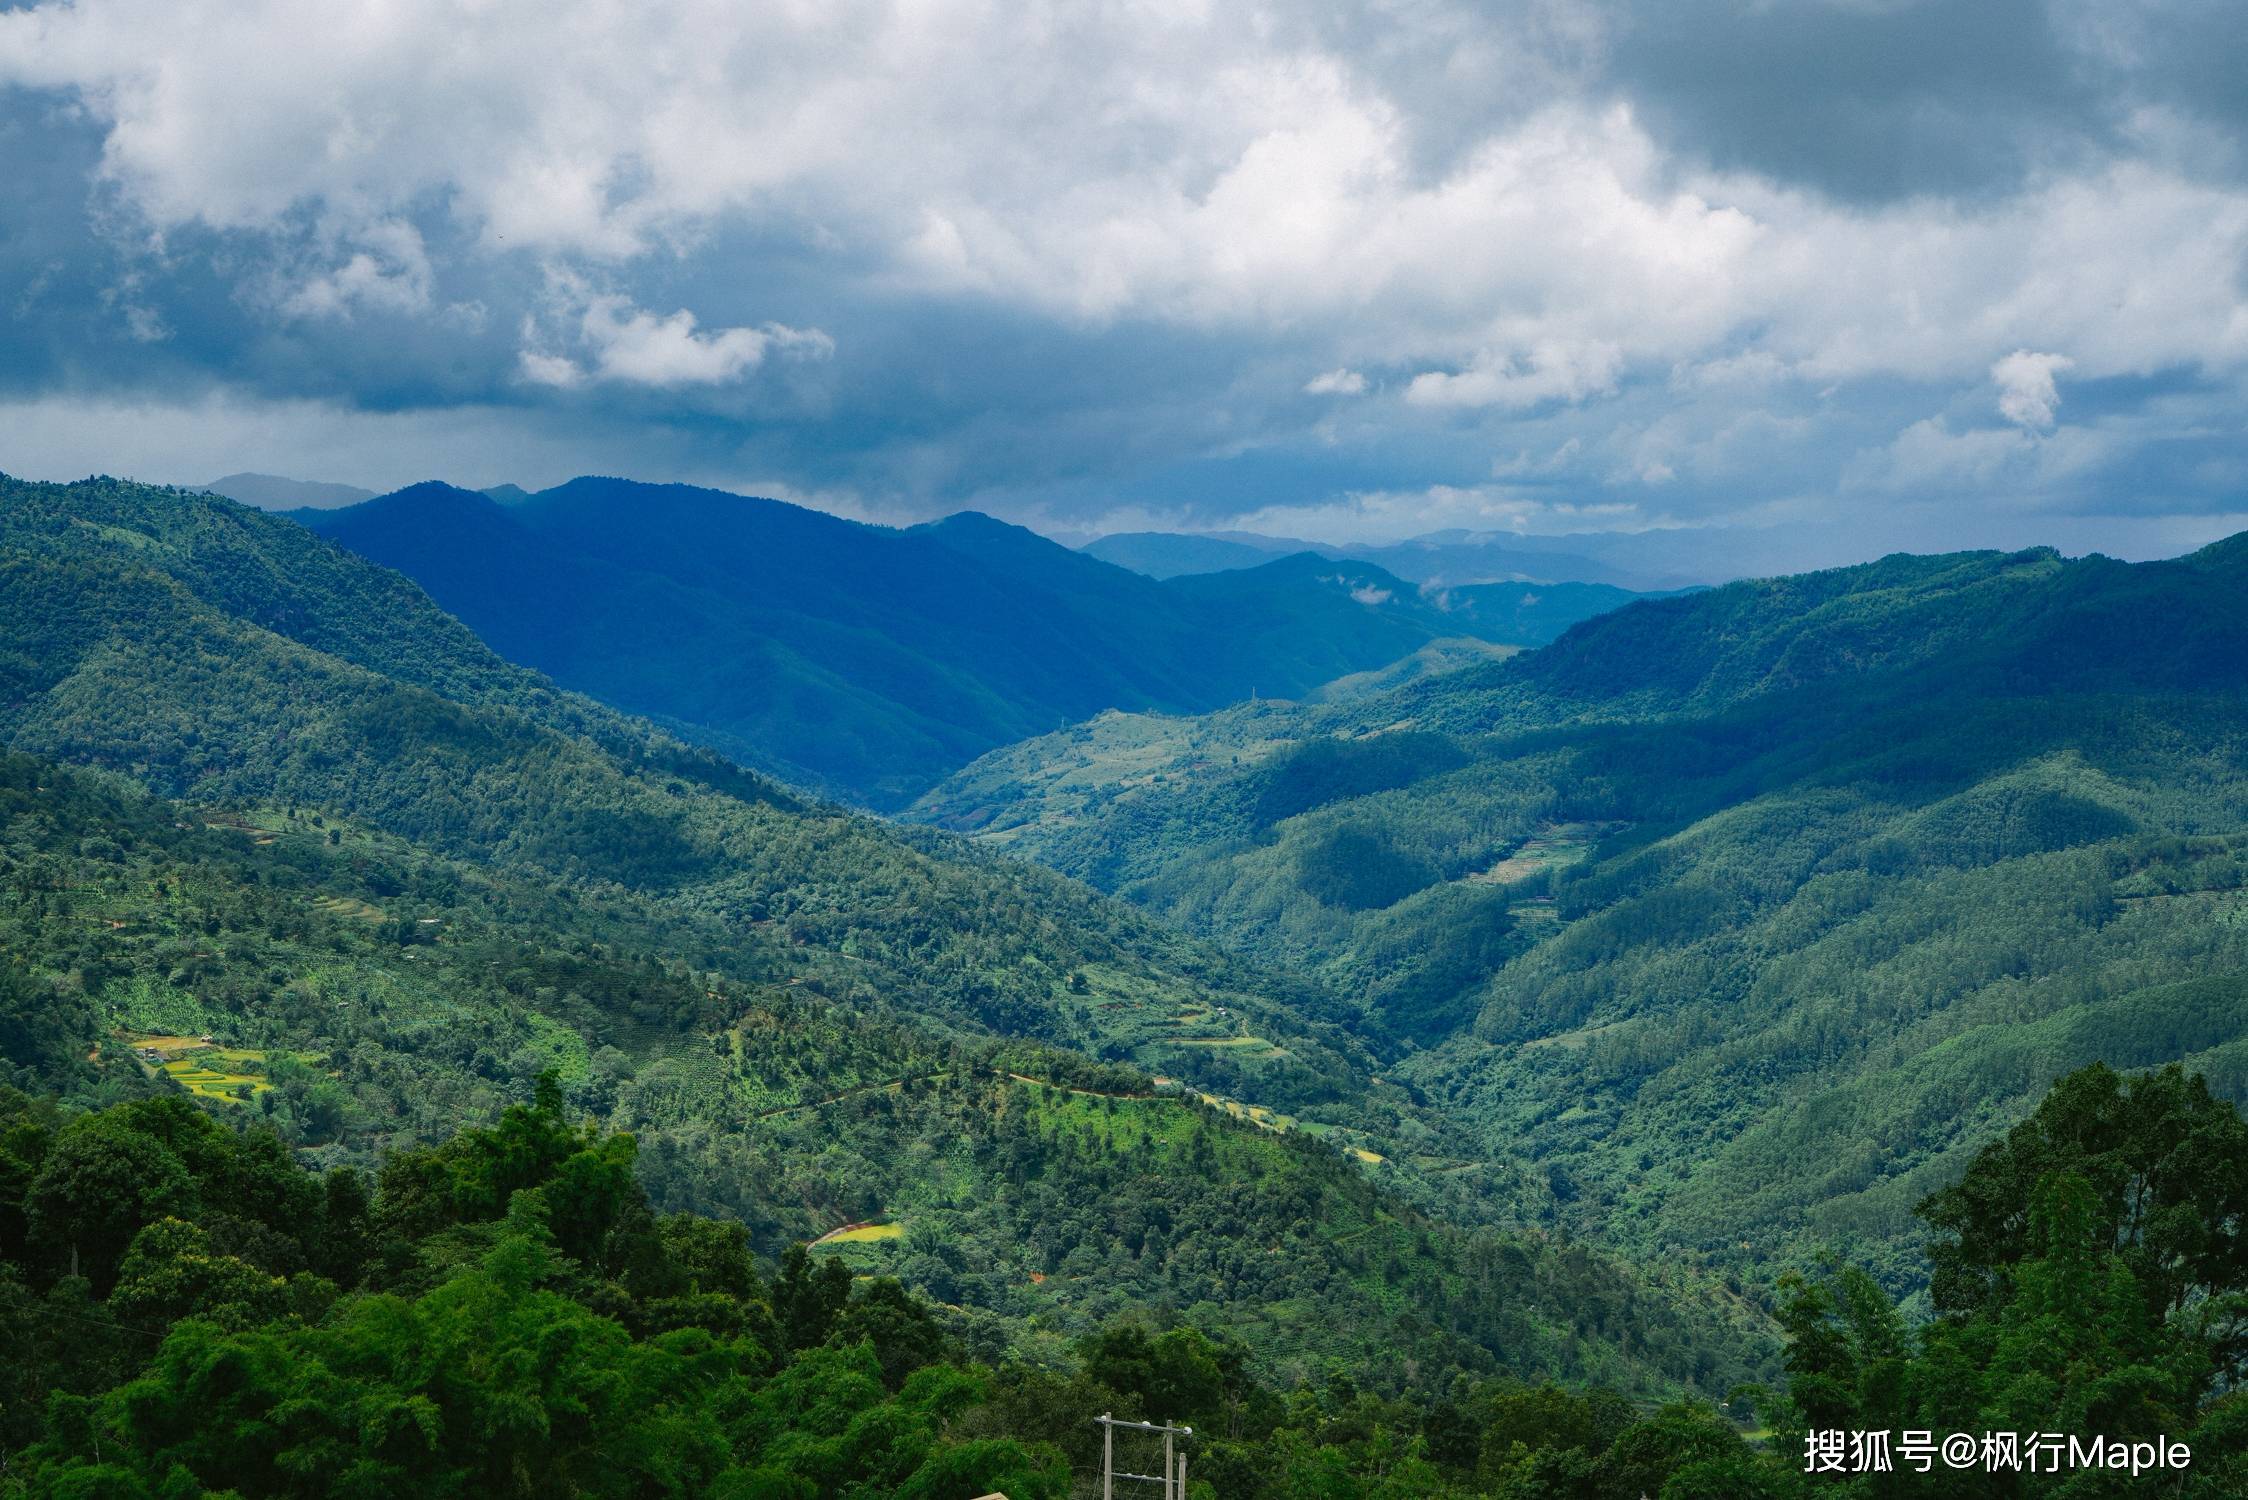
(1302, 751)
(1524, 1014)
(865, 662)
(407, 877)
(1744, 934)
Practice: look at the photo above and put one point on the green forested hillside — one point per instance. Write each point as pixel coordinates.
(865, 661)
(369, 907)
(214, 653)
(185, 1312)
(290, 885)
(1750, 914)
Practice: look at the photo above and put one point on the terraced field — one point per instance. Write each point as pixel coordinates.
(229, 1075)
(206, 1070)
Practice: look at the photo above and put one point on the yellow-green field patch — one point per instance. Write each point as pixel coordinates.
(210, 1083)
(861, 1234)
(1555, 845)
(204, 1068)
(1244, 1043)
(167, 1045)
(1255, 1114)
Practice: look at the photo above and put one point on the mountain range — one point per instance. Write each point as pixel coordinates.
(278, 832)
(1653, 560)
(866, 662)
(1490, 1010)
(1642, 562)
(1747, 914)
(274, 492)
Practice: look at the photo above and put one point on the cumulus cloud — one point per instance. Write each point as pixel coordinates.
(630, 345)
(1999, 467)
(1600, 234)
(557, 370)
(1341, 382)
(2027, 395)
(387, 269)
(1239, 172)
(1552, 371)
(1928, 456)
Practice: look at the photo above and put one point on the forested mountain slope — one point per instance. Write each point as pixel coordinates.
(399, 877)
(1752, 911)
(865, 661)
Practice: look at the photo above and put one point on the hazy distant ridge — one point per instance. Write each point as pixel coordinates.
(867, 661)
(273, 492)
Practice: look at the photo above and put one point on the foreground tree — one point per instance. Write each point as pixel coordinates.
(2089, 1280)
(2164, 1167)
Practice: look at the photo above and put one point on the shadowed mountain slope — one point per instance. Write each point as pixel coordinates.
(865, 662)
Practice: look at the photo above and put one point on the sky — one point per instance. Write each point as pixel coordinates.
(1845, 275)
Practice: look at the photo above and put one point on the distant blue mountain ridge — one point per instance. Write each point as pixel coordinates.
(1652, 561)
(866, 662)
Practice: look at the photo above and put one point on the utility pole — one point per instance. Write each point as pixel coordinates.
(1173, 1477)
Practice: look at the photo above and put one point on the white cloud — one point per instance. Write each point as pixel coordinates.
(389, 271)
(1209, 165)
(2027, 396)
(1999, 467)
(1343, 382)
(1553, 371)
(1390, 515)
(1751, 370)
(559, 371)
(636, 346)
(630, 345)
(1929, 456)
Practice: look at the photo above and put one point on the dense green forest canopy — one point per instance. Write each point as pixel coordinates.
(1752, 913)
(186, 1311)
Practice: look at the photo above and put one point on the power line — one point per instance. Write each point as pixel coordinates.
(37, 1311)
(1173, 1477)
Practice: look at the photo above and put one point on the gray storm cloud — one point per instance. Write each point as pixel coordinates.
(1349, 281)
